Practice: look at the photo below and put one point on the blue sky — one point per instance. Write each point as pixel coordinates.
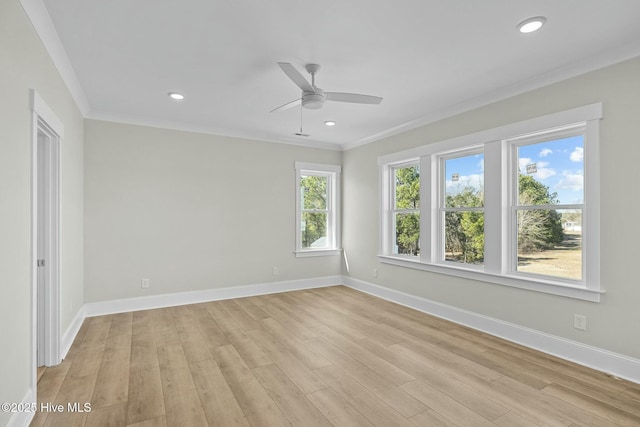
(559, 165)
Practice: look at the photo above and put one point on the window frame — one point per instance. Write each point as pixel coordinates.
(332, 173)
(498, 263)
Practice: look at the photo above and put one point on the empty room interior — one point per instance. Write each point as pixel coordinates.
(319, 213)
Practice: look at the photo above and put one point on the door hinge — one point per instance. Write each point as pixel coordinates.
(40, 263)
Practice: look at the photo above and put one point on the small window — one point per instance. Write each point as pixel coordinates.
(317, 230)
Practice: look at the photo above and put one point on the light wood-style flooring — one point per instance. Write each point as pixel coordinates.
(329, 356)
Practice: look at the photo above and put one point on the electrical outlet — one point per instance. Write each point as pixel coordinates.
(374, 273)
(144, 283)
(274, 271)
(580, 322)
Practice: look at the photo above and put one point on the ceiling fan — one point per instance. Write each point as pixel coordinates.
(313, 97)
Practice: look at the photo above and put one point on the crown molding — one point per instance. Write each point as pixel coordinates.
(41, 21)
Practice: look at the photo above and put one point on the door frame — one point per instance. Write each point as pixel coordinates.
(45, 122)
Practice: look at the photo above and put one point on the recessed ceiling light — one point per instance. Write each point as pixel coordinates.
(177, 96)
(330, 123)
(532, 24)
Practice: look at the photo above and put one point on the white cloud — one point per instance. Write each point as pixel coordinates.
(577, 155)
(545, 152)
(475, 180)
(571, 181)
(543, 171)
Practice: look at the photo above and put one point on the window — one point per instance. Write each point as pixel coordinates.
(406, 210)
(462, 209)
(317, 218)
(547, 181)
(516, 205)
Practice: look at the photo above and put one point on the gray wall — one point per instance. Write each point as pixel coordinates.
(190, 211)
(614, 323)
(25, 64)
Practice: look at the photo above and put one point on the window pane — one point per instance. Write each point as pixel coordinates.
(407, 234)
(551, 172)
(407, 181)
(464, 181)
(464, 237)
(313, 191)
(314, 230)
(550, 242)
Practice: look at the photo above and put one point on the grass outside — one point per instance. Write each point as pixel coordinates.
(565, 260)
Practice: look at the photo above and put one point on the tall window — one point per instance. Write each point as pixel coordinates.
(548, 201)
(462, 207)
(516, 205)
(317, 230)
(406, 210)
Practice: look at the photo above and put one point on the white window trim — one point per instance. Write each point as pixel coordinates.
(333, 229)
(497, 208)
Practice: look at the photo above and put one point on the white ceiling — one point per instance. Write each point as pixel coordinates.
(427, 58)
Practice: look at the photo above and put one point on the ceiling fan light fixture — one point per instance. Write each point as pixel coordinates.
(532, 24)
(176, 96)
(313, 100)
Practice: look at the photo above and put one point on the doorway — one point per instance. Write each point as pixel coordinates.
(45, 240)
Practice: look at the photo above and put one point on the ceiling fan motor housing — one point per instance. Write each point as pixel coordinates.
(313, 100)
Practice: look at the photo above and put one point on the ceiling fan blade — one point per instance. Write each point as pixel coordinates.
(296, 77)
(353, 97)
(287, 105)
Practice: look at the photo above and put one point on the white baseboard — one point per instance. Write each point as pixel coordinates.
(24, 418)
(71, 332)
(602, 360)
(194, 297)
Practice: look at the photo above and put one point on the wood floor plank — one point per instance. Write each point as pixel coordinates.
(297, 371)
(367, 403)
(432, 419)
(181, 400)
(291, 401)
(298, 329)
(298, 348)
(107, 416)
(221, 407)
(146, 399)
(445, 405)
(250, 352)
(337, 410)
(257, 405)
(239, 316)
(209, 329)
(593, 406)
(251, 308)
(383, 367)
(164, 328)
(153, 422)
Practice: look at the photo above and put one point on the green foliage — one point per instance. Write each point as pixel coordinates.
(407, 181)
(313, 192)
(408, 233)
(408, 188)
(464, 230)
(538, 229)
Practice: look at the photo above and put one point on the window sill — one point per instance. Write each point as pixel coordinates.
(317, 252)
(521, 282)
